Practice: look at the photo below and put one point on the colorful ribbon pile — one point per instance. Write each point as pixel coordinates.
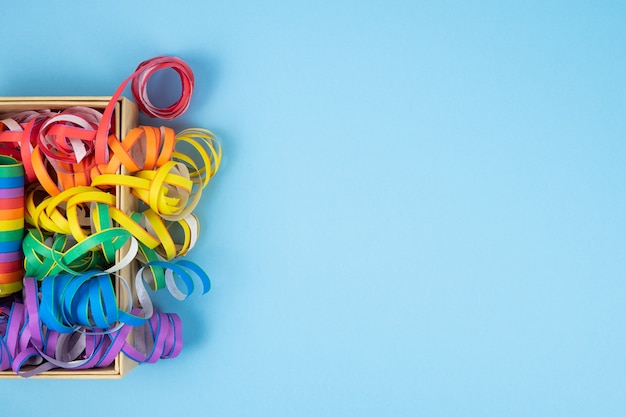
(69, 316)
(167, 228)
(26, 341)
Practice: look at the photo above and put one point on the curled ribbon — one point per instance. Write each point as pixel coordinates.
(66, 149)
(106, 229)
(85, 303)
(24, 341)
(139, 86)
(185, 271)
(139, 89)
(170, 190)
(74, 321)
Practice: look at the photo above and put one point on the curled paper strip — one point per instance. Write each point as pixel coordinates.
(56, 148)
(69, 136)
(72, 162)
(48, 256)
(145, 147)
(139, 89)
(139, 86)
(80, 243)
(170, 189)
(24, 341)
(68, 148)
(205, 145)
(188, 273)
(86, 302)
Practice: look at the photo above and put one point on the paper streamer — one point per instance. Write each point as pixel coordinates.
(139, 89)
(24, 341)
(85, 303)
(66, 149)
(69, 316)
(104, 232)
(11, 225)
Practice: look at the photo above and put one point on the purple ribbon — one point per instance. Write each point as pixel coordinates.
(24, 341)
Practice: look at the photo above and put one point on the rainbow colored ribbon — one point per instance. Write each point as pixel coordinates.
(11, 225)
(69, 316)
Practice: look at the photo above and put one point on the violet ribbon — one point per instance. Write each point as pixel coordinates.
(29, 348)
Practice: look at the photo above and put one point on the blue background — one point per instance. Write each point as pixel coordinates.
(420, 209)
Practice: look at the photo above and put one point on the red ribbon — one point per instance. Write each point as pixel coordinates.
(139, 86)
